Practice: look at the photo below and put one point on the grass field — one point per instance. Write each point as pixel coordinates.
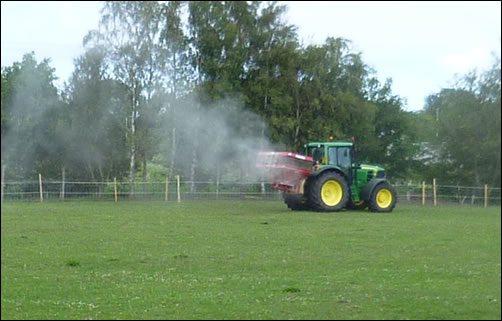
(247, 260)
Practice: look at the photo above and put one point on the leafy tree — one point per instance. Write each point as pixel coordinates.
(465, 128)
(131, 34)
(96, 140)
(176, 44)
(392, 140)
(31, 118)
(270, 85)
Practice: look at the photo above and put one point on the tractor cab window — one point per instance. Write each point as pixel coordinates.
(339, 156)
(317, 153)
(332, 156)
(344, 157)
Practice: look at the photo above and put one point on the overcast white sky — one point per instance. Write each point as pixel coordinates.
(420, 45)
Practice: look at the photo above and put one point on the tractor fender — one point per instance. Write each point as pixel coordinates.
(368, 189)
(324, 170)
(314, 174)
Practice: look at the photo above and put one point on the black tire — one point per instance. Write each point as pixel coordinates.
(328, 192)
(358, 205)
(295, 202)
(383, 198)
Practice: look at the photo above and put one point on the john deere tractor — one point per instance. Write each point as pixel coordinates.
(327, 178)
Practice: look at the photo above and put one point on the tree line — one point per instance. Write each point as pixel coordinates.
(147, 99)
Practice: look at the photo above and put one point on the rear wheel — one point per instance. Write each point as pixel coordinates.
(383, 198)
(328, 192)
(295, 202)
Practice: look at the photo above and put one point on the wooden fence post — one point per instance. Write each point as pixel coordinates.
(40, 187)
(167, 186)
(3, 180)
(178, 187)
(115, 189)
(486, 195)
(435, 191)
(62, 183)
(423, 193)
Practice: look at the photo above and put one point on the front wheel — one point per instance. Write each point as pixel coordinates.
(383, 198)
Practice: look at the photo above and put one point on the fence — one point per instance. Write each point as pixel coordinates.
(169, 190)
(435, 194)
(179, 190)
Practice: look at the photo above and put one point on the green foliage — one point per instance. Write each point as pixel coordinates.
(95, 140)
(464, 125)
(31, 118)
(156, 173)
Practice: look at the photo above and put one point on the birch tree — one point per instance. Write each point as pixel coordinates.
(130, 30)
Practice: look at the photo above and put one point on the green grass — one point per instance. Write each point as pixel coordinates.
(247, 260)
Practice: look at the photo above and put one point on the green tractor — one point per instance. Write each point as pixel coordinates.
(327, 178)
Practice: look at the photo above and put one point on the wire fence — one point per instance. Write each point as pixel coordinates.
(119, 191)
(179, 190)
(448, 194)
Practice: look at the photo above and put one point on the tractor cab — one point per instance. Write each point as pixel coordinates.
(341, 155)
(329, 154)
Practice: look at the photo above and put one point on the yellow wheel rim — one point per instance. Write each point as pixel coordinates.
(331, 193)
(384, 198)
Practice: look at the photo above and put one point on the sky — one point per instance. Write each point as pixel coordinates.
(421, 46)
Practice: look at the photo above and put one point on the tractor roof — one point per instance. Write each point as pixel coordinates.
(332, 143)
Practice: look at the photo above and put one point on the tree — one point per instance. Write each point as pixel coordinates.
(392, 140)
(176, 43)
(131, 34)
(466, 128)
(270, 85)
(31, 119)
(96, 140)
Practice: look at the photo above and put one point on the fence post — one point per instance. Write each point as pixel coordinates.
(217, 180)
(178, 187)
(40, 187)
(435, 191)
(486, 195)
(62, 183)
(423, 193)
(3, 180)
(115, 189)
(167, 186)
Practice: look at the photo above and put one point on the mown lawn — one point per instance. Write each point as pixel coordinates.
(247, 260)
